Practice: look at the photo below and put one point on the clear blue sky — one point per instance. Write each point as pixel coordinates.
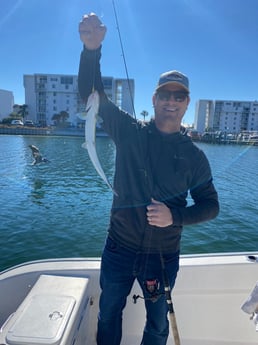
(215, 42)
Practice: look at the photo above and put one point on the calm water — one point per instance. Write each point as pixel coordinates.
(61, 209)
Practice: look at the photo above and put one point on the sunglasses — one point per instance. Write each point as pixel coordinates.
(179, 96)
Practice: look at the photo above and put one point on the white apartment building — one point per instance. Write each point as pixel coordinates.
(6, 103)
(49, 94)
(204, 110)
(226, 116)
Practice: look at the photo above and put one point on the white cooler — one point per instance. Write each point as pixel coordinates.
(51, 314)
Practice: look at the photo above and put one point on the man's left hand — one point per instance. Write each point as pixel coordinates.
(158, 214)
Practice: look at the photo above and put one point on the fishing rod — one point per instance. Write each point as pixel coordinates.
(123, 55)
(144, 170)
(167, 288)
(154, 295)
(171, 311)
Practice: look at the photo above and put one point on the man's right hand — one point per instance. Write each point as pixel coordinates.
(92, 31)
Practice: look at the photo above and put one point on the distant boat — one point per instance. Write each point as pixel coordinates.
(253, 138)
(55, 302)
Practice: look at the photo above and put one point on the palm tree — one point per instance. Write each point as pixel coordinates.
(63, 115)
(144, 113)
(60, 118)
(23, 111)
(56, 118)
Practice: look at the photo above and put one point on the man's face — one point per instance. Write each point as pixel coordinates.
(170, 103)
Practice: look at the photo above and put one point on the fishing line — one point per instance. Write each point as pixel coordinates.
(165, 278)
(233, 160)
(140, 146)
(141, 152)
(123, 55)
(9, 13)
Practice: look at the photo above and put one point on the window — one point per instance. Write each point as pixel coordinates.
(42, 79)
(107, 82)
(67, 80)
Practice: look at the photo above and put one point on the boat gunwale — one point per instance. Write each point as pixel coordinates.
(91, 263)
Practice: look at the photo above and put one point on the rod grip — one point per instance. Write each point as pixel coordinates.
(174, 328)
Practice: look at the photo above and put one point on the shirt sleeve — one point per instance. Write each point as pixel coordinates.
(89, 76)
(204, 195)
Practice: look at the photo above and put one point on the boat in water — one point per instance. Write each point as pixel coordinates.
(55, 302)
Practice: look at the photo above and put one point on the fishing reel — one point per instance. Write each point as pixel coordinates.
(152, 289)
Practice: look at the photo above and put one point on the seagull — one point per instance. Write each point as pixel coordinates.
(37, 155)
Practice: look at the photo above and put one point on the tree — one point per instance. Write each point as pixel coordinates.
(63, 116)
(144, 113)
(23, 110)
(60, 118)
(56, 118)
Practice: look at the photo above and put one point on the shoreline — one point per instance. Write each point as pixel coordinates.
(79, 132)
(48, 131)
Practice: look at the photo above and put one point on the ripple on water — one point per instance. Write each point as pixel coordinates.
(62, 209)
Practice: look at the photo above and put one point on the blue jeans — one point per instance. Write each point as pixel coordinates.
(119, 269)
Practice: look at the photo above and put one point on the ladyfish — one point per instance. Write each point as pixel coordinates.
(91, 117)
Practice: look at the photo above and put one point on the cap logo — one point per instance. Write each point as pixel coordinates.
(174, 77)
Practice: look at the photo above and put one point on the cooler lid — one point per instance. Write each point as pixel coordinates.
(42, 321)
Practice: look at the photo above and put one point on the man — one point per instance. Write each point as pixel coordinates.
(156, 166)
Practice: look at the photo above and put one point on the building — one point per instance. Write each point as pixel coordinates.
(204, 111)
(6, 103)
(226, 116)
(50, 94)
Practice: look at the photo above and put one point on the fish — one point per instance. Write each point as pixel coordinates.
(91, 118)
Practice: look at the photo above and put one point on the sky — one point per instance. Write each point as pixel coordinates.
(214, 42)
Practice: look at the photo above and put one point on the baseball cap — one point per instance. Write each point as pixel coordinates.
(173, 77)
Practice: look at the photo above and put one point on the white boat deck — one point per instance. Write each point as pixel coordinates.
(208, 296)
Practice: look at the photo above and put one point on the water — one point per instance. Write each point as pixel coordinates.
(61, 209)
